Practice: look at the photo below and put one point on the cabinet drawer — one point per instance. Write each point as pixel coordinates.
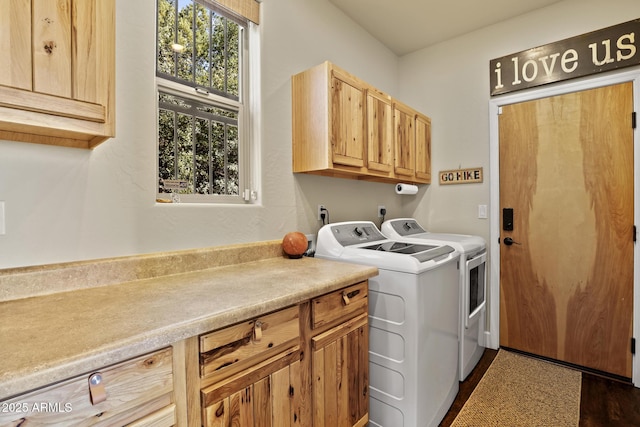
(133, 389)
(339, 305)
(229, 350)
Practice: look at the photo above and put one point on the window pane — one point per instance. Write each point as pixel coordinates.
(166, 36)
(201, 50)
(218, 158)
(202, 156)
(218, 53)
(203, 46)
(185, 151)
(233, 58)
(232, 160)
(185, 39)
(166, 147)
(198, 144)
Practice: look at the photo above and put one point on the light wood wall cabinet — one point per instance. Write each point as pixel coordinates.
(138, 392)
(344, 127)
(57, 76)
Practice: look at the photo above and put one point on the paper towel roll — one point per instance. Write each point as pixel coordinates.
(406, 189)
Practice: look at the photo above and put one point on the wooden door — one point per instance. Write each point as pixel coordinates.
(347, 120)
(566, 170)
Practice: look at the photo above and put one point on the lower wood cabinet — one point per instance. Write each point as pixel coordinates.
(301, 366)
(340, 362)
(249, 372)
(137, 392)
(262, 396)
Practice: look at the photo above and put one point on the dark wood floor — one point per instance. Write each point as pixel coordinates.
(603, 402)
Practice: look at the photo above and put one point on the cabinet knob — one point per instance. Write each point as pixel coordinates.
(97, 393)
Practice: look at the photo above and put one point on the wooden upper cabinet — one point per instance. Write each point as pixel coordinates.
(58, 85)
(344, 127)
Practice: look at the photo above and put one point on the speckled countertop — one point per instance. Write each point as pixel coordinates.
(94, 323)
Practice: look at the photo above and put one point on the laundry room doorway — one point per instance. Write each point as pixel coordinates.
(566, 227)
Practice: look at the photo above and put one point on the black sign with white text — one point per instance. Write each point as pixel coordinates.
(603, 50)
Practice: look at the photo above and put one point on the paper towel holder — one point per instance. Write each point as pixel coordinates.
(406, 189)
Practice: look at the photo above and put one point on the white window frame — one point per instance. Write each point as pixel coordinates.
(249, 123)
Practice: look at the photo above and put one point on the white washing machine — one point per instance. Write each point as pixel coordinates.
(413, 322)
(473, 279)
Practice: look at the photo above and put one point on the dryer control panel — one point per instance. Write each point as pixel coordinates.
(407, 227)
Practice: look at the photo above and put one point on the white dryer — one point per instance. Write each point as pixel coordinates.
(413, 322)
(472, 280)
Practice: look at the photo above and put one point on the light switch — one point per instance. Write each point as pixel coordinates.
(482, 211)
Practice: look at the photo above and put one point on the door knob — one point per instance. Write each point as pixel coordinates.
(509, 241)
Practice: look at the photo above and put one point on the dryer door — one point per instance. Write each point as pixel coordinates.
(475, 287)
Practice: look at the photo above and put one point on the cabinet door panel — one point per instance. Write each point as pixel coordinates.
(262, 402)
(85, 48)
(423, 148)
(340, 374)
(379, 132)
(405, 140)
(330, 398)
(52, 47)
(347, 121)
(217, 414)
(280, 388)
(15, 44)
(240, 406)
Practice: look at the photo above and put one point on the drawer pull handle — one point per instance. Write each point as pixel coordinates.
(346, 296)
(97, 393)
(257, 331)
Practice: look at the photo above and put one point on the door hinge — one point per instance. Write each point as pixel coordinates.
(633, 345)
(635, 234)
(633, 120)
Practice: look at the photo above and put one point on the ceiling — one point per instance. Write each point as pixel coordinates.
(405, 26)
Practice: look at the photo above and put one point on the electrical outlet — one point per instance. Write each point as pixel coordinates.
(321, 208)
(382, 211)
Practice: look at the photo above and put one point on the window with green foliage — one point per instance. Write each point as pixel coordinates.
(203, 141)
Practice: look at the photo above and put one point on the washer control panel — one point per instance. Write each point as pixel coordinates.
(354, 233)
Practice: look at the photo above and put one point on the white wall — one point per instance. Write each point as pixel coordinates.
(66, 204)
